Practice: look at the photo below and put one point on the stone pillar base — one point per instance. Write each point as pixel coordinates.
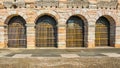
(117, 45)
(2, 45)
(31, 47)
(61, 47)
(91, 45)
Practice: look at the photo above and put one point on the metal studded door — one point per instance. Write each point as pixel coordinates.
(74, 34)
(102, 32)
(16, 35)
(45, 35)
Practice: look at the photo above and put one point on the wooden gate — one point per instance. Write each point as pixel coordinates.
(102, 32)
(75, 34)
(16, 35)
(45, 35)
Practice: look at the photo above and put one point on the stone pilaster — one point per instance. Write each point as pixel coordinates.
(117, 38)
(30, 36)
(61, 36)
(91, 35)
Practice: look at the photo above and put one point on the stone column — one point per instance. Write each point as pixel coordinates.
(30, 35)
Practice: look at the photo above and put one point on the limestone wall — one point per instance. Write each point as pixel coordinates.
(62, 13)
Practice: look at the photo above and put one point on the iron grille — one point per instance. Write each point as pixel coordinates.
(102, 33)
(16, 35)
(45, 35)
(74, 34)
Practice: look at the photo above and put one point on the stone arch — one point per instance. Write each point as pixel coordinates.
(80, 16)
(16, 31)
(85, 28)
(49, 13)
(112, 29)
(46, 26)
(110, 19)
(11, 16)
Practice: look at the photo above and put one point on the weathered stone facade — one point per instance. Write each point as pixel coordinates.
(89, 10)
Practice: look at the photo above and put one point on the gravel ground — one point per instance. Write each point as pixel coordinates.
(55, 62)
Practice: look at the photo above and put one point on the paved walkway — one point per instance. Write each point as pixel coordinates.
(60, 58)
(67, 53)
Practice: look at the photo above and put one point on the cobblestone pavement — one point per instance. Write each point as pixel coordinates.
(60, 58)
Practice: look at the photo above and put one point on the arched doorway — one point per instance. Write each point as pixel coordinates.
(17, 32)
(46, 32)
(76, 32)
(105, 31)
